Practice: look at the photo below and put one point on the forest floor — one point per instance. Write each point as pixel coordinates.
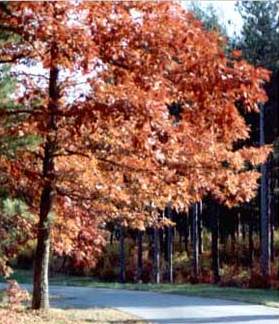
(267, 297)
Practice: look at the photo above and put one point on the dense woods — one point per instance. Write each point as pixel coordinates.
(136, 153)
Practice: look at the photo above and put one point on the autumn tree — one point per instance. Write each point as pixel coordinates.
(97, 80)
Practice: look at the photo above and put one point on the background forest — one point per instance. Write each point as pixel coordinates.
(209, 242)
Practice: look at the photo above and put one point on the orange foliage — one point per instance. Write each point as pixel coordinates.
(115, 147)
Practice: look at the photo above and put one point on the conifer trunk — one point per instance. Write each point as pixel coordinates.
(215, 244)
(139, 257)
(169, 246)
(264, 215)
(122, 275)
(200, 228)
(251, 242)
(40, 298)
(186, 234)
(195, 243)
(156, 256)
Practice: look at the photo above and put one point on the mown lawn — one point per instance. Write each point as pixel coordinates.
(268, 297)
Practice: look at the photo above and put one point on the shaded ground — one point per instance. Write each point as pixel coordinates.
(164, 308)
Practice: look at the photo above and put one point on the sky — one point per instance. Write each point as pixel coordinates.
(227, 13)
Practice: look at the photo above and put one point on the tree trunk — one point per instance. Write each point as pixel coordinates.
(139, 258)
(169, 242)
(156, 256)
(122, 274)
(265, 222)
(195, 243)
(271, 212)
(186, 235)
(200, 228)
(251, 242)
(40, 281)
(215, 244)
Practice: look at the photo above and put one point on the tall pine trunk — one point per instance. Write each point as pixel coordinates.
(251, 242)
(139, 257)
(169, 246)
(156, 256)
(215, 244)
(200, 228)
(122, 274)
(40, 281)
(195, 243)
(264, 215)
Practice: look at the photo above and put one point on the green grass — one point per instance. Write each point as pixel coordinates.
(268, 297)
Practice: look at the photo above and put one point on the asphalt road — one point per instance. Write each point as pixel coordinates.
(164, 308)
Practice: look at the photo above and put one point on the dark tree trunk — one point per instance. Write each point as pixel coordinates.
(186, 235)
(271, 212)
(215, 243)
(122, 274)
(156, 256)
(251, 242)
(169, 246)
(111, 237)
(200, 228)
(40, 281)
(265, 222)
(139, 258)
(195, 243)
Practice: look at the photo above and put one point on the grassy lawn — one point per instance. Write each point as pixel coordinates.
(268, 297)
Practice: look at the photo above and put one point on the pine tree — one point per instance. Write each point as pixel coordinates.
(259, 44)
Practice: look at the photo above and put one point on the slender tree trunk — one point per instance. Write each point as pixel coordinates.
(200, 228)
(122, 274)
(251, 242)
(156, 256)
(195, 243)
(169, 242)
(270, 212)
(40, 281)
(139, 258)
(238, 226)
(215, 244)
(111, 237)
(186, 236)
(264, 219)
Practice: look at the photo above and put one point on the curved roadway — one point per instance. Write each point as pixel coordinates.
(164, 308)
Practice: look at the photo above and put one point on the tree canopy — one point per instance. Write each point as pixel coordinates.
(97, 80)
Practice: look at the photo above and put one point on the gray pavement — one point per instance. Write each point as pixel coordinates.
(164, 308)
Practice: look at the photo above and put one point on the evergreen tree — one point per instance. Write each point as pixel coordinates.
(14, 213)
(259, 44)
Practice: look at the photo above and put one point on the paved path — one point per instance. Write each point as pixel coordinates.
(164, 308)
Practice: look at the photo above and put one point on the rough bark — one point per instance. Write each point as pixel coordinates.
(40, 281)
